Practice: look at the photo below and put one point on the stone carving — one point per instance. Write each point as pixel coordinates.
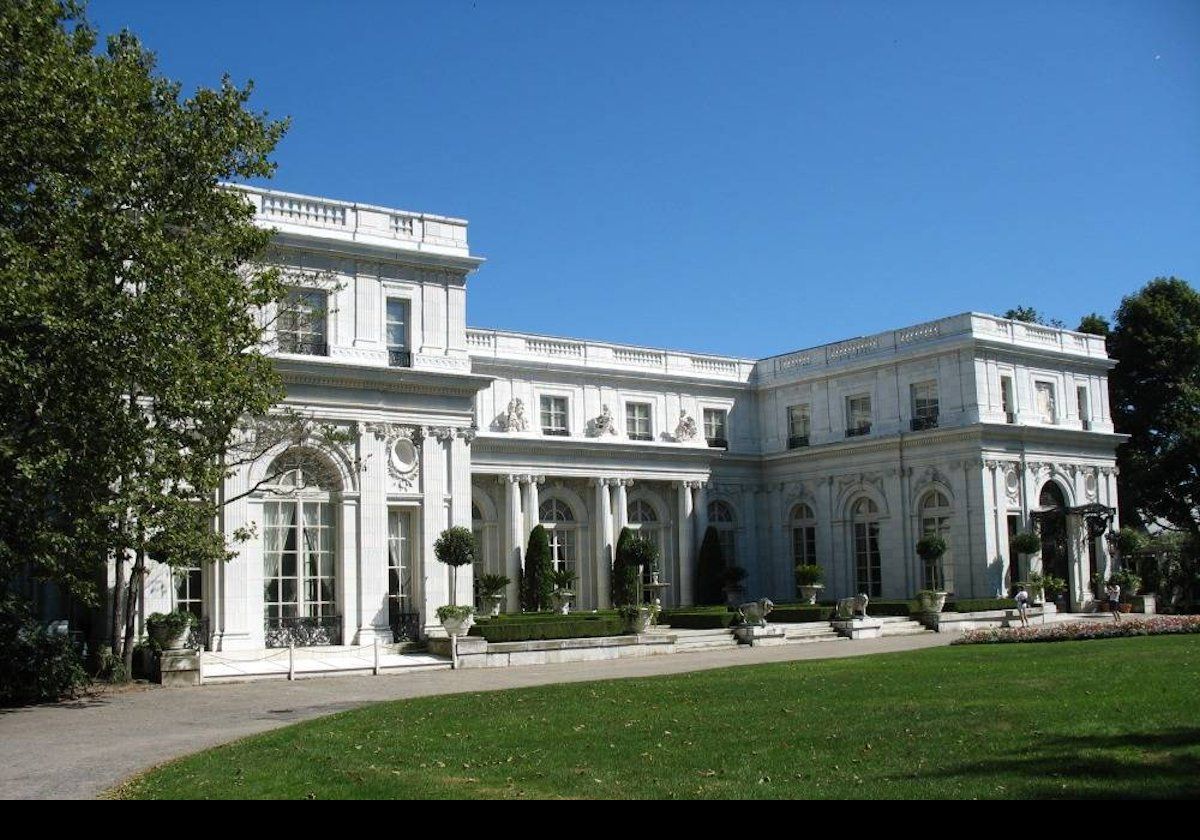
(514, 418)
(443, 433)
(755, 612)
(853, 607)
(468, 434)
(686, 429)
(603, 425)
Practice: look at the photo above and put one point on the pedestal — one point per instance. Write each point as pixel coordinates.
(859, 628)
(759, 636)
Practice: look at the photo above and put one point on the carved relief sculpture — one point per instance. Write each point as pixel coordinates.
(686, 430)
(514, 419)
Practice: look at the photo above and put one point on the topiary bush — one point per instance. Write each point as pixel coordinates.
(36, 666)
(625, 571)
(455, 547)
(1025, 542)
(710, 570)
(536, 584)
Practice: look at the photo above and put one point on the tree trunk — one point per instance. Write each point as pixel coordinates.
(132, 602)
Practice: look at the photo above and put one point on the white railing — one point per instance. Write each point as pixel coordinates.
(303, 211)
(720, 367)
(852, 348)
(557, 349)
(641, 358)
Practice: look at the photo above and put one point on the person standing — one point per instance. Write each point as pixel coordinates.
(1023, 606)
(1114, 600)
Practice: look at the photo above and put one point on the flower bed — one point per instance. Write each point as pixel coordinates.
(1082, 630)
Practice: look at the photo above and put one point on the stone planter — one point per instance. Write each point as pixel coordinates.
(168, 640)
(808, 594)
(639, 623)
(933, 602)
(491, 604)
(458, 626)
(562, 600)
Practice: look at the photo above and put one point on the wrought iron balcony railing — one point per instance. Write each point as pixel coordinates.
(920, 424)
(718, 443)
(303, 631)
(399, 358)
(302, 346)
(640, 436)
(797, 441)
(556, 432)
(859, 431)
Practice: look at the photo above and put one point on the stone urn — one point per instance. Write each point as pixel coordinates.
(933, 601)
(638, 621)
(809, 594)
(491, 604)
(562, 600)
(458, 625)
(170, 640)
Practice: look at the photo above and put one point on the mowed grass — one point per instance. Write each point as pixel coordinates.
(1106, 719)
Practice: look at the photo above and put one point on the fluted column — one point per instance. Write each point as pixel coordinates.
(604, 542)
(621, 505)
(513, 539)
(460, 507)
(685, 584)
(433, 575)
(532, 503)
(701, 511)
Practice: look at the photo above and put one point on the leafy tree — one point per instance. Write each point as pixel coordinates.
(1156, 401)
(1094, 324)
(537, 587)
(1031, 316)
(625, 570)
(128, 301)
(455, 547)
(710, 569)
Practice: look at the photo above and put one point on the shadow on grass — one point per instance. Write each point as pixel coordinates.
(1167, 766)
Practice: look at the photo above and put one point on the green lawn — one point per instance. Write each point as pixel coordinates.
(1112, 718)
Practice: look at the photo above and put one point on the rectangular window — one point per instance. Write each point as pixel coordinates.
(399, 351)
(804, 545)
(301, 325)
(799, 422)
(1081, 396)
(554, 416)
(1046, 407)
(188, 582)
(924, 405)
(637, 421)
(714, 427)
(1007, 400)
(858, 415)
(868, 563)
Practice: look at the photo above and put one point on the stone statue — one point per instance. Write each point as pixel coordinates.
(755, 612)
(686, 430)
(848, 607)
(604, 423)
(514, 418)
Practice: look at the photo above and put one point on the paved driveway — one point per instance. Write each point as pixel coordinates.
(80, 749)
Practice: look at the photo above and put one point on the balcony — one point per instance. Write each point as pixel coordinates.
(303, 631)
(718, 443)
(797, 441)
(399, 358)
(920, 424)
(859, 430)
(640, 436)
(303, 346)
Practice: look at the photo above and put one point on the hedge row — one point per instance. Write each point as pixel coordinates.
(567, 628)
(980, 604)
(534, 617)
(698, 619)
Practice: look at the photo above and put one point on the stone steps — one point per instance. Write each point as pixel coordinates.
(896, 625)
(807, 632)
(688, 641)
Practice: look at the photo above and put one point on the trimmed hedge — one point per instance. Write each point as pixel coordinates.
(799, 613)
(567, 628)
(698, 619)
(980, 604)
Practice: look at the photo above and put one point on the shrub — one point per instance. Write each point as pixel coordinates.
(1025, 542)
(809, 575)
(642, 553)
(452, 613)
(710, 566)
(490, 585)
(1129, 582)
(978, 604)
(699, 619)
(1129, 542)
(169, 624)
(37, 666)
(1053, 587)
(1083, 631)
(536, 585)
(563, 628)
(930, 547)
(625, 573)
(455, 547)
(801, 613)
(562, 578)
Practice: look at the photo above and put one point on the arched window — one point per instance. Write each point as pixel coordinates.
(804, 536)
(299, 540)
(867, 561)
(1052, 524)
(559, 521)
(720, 516)
(935, 519)
(644, 519)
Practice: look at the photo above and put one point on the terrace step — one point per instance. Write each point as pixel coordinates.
(897, 625)
(809, 631)
(687, 641)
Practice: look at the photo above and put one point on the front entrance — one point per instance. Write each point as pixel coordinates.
(1051, 521)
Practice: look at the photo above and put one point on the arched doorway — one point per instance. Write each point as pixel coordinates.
(1051, 519)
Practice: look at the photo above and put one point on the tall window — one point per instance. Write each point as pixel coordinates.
(715, 422)
(1081, 397)
(799, 420)
(480, 562)
(554, 415)
(858, 415)
(720, 516)
(400, 566)
(935, 519)
(188, 583)
(399, 352)
(300, 327)
(299, 537)
(1045, 401)
(644, 520)
(868, 564)
(637, 421)
(804, 537)
(559, 521)
(1007, 400)
(924, 405)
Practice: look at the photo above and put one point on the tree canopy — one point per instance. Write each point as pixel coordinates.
(1156, 401)
(129, 300)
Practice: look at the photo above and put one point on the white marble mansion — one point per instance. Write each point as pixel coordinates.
(841, 455)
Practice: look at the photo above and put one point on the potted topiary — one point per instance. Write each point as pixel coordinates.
(808, 580)
(563, 580)
(170, 630)
(455, 547)
(1054, 587)
(636, 617)
(932, 600)
(930, 548)
(732, 579)
(1128, 542)
(1036, 587)
(1025, 542)
(491, 593)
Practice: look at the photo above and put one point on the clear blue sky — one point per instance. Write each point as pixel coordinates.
(742, 178)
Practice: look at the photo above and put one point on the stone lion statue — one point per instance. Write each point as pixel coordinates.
(855, 604)
(755, 612)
